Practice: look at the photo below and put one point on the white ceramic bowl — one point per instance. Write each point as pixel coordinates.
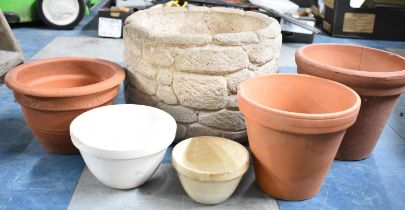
(123, 145)
(210, 168)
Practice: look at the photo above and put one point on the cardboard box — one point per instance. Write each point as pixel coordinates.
(339, 19)
(111, 21)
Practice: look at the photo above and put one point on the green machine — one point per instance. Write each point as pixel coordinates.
(58, 14)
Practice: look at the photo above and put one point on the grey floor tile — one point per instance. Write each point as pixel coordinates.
(109, 49)
(287, 54)
(162, 191)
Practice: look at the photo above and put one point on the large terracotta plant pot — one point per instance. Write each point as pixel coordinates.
(189, 62)
(295, 125)
(52, 92)
(377, 76)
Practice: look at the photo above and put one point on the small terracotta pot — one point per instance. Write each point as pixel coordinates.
(295, 125)
(377, 76)
(52, 92)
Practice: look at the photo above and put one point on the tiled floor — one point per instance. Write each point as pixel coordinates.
(31, 178)
(163, 192)
(111, 49)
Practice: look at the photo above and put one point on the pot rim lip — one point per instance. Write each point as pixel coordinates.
(304, 116)
(352, 72)
(117, 77)
(210, 176)
(269, 21)
(123, 154)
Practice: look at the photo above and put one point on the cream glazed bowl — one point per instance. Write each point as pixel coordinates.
(123, 145)
(210, 168)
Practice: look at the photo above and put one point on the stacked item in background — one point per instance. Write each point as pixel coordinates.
(291, 31)
(375, 19)
(111, 21)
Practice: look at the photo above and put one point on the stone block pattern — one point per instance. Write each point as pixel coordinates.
(196, 79)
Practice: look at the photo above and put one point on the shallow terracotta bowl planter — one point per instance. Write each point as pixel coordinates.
(52, 92)
(295, 125)
(377, 76)
(210, 168)
(124, 144)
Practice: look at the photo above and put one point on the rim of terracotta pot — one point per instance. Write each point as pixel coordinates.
(92, 131)
(306, 122)
(239, 167)
(140, 18)
(367, 82)
(13, 82)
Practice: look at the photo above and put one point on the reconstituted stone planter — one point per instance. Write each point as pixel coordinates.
(189, 63)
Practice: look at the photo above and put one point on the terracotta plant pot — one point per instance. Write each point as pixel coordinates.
(377, 76)
(52, 92)
(210, 168)
(189, 62)
(295, 125)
